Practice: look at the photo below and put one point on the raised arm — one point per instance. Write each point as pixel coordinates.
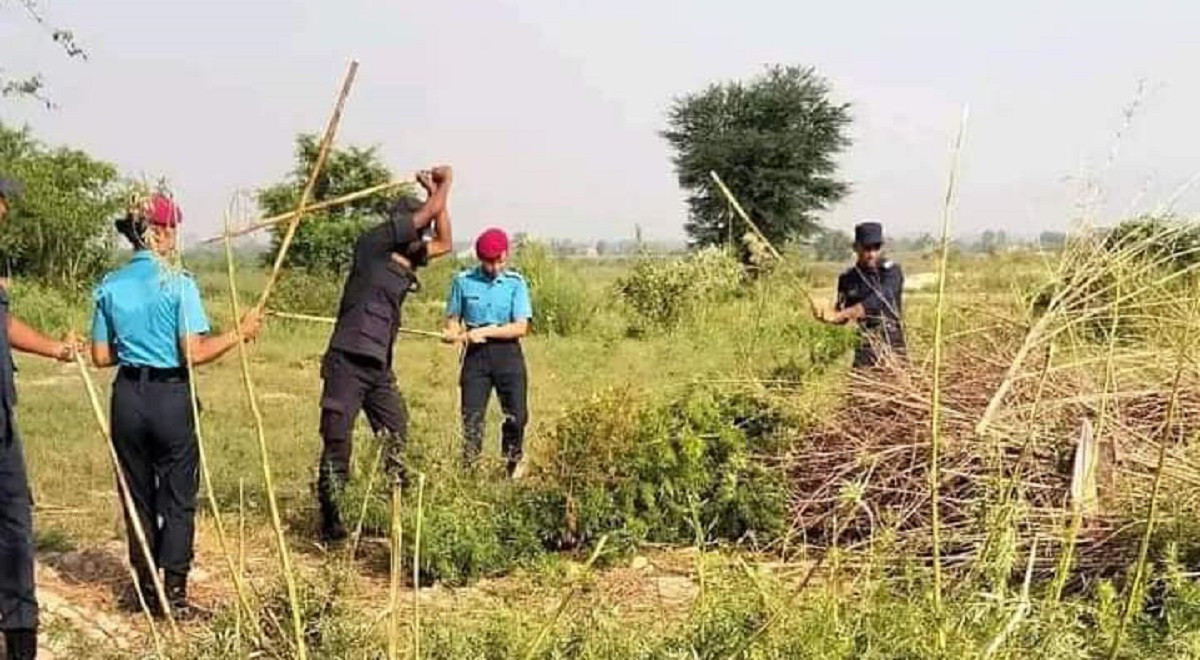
(435, 204)
(443, 235)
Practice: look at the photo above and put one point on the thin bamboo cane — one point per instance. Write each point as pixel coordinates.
(416, 589)
(210, 493)
(271, 221)
(397, 566)
(757, 232)
(322, 154)
(563, 604)
(326, 319)
(935, 404)
(241, 564)
(1139, 571)
(273, 504)
(362, 511)
(134, 520)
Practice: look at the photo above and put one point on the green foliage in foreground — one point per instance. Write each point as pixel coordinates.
(748, 612)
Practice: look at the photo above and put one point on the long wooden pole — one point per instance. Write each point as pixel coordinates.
(331, 320)
(737, 207)
(132, 516)
(273, 220)
(330, 131)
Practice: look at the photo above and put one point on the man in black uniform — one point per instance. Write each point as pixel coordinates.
(871, 294)
(357, 367)
(18, 600)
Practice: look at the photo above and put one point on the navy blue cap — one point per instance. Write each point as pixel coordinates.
(11, 188)
(868, 233)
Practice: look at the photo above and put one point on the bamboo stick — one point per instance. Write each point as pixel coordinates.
(935, 403)
(135, 521)
(563, 604)
(273, 504)
(271, 221)
(397, 566)
(416, 613)
(331, 321)
(322, 154)
(746, 217)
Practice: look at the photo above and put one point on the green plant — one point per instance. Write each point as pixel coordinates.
(561, 302)
(660, 294)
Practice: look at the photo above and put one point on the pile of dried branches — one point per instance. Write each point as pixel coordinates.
(861, 474)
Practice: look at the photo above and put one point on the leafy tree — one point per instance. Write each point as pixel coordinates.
(33, 86)
(773, 140)
(324, 240)
(60, 230)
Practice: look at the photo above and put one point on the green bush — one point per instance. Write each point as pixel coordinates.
(50, 309)
(303, 292)
(696, 469)
(561, 302)
(660, 294)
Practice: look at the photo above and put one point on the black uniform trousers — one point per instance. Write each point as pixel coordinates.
(18, 602)
(352, 383)
(154, 433)
(499, 365)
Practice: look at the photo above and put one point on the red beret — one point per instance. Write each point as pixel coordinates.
(491, 244)
(163, 211)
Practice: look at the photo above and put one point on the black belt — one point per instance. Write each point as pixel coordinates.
(153, 374)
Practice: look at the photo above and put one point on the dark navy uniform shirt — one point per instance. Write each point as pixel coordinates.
(881, 293)
(369, 314)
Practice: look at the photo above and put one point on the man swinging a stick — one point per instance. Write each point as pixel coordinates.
(357, 367)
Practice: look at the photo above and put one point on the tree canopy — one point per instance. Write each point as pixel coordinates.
(323, 240)
(60, 228)
(774, 141)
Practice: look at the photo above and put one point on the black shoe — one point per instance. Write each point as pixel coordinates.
(181, 608)
(20, 644)
(333, 530)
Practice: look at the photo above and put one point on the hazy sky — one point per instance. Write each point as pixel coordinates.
(549, 109)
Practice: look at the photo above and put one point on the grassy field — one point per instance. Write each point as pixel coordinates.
(657, 596)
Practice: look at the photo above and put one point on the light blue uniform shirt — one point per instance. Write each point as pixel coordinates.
(481, 301)
(143, 309)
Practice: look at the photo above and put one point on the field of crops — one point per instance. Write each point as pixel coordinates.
(703, 483)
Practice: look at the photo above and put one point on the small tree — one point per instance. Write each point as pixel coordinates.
(60, 229)
(324, 240)
(774, 141)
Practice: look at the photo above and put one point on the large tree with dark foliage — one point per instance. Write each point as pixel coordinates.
(774, 140)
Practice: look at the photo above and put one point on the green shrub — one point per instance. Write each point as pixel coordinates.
(561, 302)
(302, 292)
(50, 309)
(660, 294)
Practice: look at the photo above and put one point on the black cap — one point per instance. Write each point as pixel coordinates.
(11, 188)
(868, 233)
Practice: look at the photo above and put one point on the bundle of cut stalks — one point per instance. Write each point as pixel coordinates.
(862, 473)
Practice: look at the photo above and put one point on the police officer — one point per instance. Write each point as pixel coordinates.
(871, 294)
(357, 367)
(489, 312)
(18, 600)
(148, 320)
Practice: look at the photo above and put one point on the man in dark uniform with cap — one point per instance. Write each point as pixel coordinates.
(148, 321)
(18, 600)
(871, 294)
(357, 367)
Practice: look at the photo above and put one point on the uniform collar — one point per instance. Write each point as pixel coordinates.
(483, 277)
(142, 255)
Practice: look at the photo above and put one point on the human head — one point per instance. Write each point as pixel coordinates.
(868, 243)
(492, 250)
(10, 189)
(153, 225)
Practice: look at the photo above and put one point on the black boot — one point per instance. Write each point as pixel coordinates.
(176, 587)
(333, 530)
(20, 644)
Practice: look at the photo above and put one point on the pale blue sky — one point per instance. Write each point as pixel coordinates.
(549, 109)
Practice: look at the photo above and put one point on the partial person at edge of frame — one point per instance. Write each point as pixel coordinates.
(357, 366)
(488, 312)
(871, 294)
(18, 595)
(148, 321)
